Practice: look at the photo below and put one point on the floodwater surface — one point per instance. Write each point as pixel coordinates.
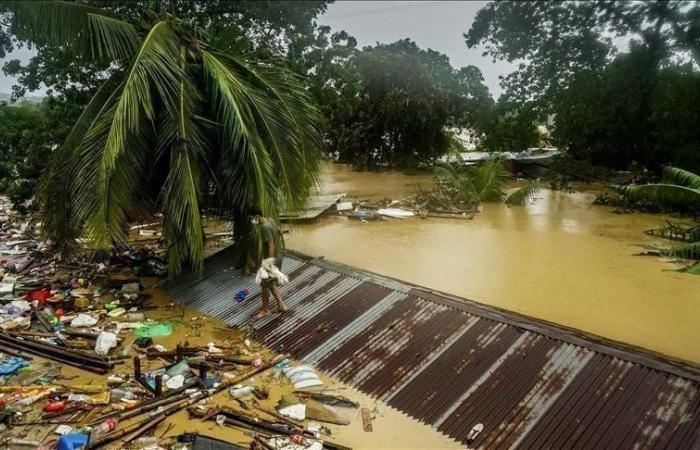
(560, 259)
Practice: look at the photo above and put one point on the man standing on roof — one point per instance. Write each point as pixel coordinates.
(272, 247)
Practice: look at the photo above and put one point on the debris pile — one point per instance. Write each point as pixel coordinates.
(90, 359)
(421, 205)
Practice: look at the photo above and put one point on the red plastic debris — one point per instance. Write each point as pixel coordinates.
(55, 406)
(40, 295)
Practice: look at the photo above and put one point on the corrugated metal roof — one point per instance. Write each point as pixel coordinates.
(453, 364)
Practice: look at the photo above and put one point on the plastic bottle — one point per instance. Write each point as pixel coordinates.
(134, 317)
(241, 391)
(105, 427)
(284, 363)
(146, 442)
(122, 394)
(49, 315)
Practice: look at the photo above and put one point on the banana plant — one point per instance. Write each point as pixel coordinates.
(678, 189)
(180, 126)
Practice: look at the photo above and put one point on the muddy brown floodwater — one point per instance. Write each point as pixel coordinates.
(561, 259)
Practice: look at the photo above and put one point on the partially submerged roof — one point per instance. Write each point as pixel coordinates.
(453, 364)
(316, 205)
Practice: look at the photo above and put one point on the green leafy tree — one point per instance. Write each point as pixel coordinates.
(28, 134)
(328, 64)
(508, 127)
(597, 116)
(564, 50)
(408, 96)
(24, 148)
(177, 127)
(266, 26)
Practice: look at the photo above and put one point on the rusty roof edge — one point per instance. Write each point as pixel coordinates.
(635, 354)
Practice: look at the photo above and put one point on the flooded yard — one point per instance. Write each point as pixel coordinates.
(560, 259)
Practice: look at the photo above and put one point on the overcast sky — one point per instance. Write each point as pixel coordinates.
(435, 24)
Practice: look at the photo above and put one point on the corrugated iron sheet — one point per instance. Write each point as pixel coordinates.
(455, 364)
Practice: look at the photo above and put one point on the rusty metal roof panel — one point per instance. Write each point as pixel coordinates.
(454, 364)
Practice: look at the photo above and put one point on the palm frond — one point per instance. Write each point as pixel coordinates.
(458, 180)
(446, 172)
(53, 193)
(155, 69)
(489, 180)
(665, 194)
(290, 119)
(674, 175)
(693, 269)
(81, 28)
(525, 193)
(100, 200)
(688, 251)
(245, 163)
(284, 121)
(182, 190)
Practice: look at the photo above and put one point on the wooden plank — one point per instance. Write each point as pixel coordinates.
(366, 419)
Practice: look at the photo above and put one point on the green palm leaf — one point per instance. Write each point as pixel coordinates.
(106, 195)
(141, 145)
(522, 195)
(665, 194)
(245, 162)
(54, 188)
(83, 29)
(674, 175)
(693, 269)
(182, 190)
(291, 134)
(688, 251)
(489, 180)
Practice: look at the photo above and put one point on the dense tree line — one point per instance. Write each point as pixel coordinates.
(613, 104)
(391, 105)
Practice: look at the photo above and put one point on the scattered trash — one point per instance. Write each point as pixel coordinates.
(63, 429)
(366, 419)
(395, 213)
(343, 206)
(297, 412)
(94, 315)
(474, 432)
(154, 330)
(105, 342)
(175, 382)
(240, 391)
(83, 320)
(241, 295)
(303, 377)
(72, 441)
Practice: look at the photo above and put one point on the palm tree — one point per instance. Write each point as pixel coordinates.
(179, 128)
(472, 185)
(678, 189)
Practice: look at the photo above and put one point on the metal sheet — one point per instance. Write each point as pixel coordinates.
(454, 365)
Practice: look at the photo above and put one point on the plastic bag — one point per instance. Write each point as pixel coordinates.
(268, 270)
(105, 342)
(83, 320)
(154, 330)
